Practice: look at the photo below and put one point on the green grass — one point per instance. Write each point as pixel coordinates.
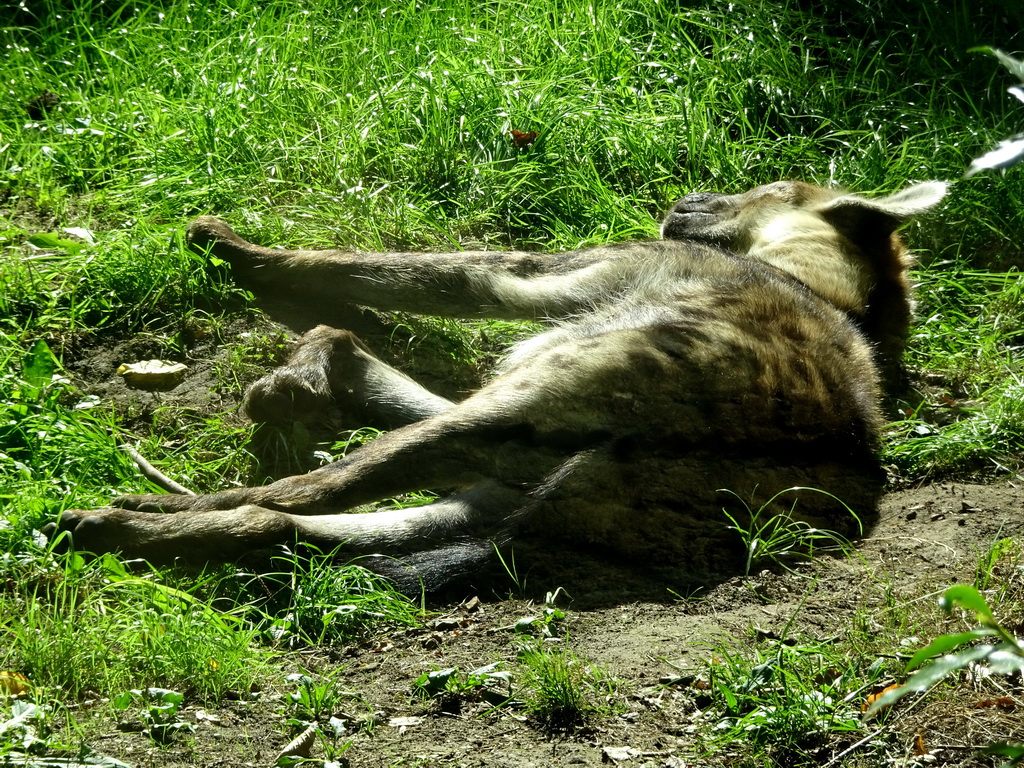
(96, 628)
(314, 601)
(552, 685)
(775, 540)
(791, 699)
(787, 704)
(560, 690)
(387, 126)
(968, 418)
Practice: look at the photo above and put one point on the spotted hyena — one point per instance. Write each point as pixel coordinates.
(742, 352)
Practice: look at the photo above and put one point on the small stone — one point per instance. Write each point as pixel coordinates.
(619, 754)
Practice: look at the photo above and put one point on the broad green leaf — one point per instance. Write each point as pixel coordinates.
(338, 726)
(1015, 66)
(23, 711)
(51, 241)
(970, 599)
(81, 232)
(945, 644)
(1005, 660)
(441, 676)
(486, 670)
(45, 240)
(927, 677)
(1007, 154)
(525, 625)
(164, 696)
(938, 669)
(37, 370)
(435, 682)
(731, 699)
(1004, 749)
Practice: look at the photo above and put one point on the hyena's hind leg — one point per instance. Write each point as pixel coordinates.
(331, 367)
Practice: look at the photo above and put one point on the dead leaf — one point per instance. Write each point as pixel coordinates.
(873, 697)
(202, 716)
(13, 683)
(827, 677)
(153, 374)
(919, 747)
(521, 139)
(618, 754)
(300, 746)
(1003, 702)
(404, 722)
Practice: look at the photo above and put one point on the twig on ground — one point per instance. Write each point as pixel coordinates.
(153, 474)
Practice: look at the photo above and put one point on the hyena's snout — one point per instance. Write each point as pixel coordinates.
(701, 202)
(695, 216)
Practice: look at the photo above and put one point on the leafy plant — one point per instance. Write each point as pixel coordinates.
(489, 683)
(159, 713)
(314, 709)
(1008, 152)
(1004, 657)
(989, 560)
(26, 728)
(786, 703)
(546, 624)
(313, 700)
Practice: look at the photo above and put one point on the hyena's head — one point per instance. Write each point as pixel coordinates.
(842, 246)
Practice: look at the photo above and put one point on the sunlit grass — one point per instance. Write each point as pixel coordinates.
(390, 125)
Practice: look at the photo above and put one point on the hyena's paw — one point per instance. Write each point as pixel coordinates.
(294, 393)
(324, 369)
(207, 231)
(250, 263)
(101, 530)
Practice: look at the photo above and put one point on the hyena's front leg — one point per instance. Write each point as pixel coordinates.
(468, 284)
(193, 537)
(332, 366)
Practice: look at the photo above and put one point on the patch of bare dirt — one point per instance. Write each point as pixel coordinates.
(926, 540)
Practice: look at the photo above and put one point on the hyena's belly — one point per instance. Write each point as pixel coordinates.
(720, 407)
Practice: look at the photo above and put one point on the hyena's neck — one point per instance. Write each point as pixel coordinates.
(813, 252)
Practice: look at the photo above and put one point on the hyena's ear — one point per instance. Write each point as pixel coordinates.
(880, 216)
